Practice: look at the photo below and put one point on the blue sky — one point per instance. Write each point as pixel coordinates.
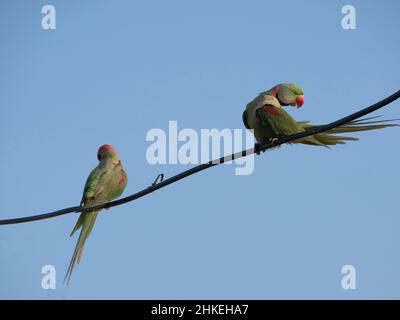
(111, 71)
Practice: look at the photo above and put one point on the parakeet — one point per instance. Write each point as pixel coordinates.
(105, 183)
(266, 115)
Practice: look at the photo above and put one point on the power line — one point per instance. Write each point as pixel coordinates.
(163, 183)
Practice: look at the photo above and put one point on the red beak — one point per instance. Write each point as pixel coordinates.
(300, 101)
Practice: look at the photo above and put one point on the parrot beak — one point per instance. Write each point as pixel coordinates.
(117, 163)
(299, 101)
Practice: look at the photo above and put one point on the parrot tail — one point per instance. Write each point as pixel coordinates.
(329, 138)
(86, 221)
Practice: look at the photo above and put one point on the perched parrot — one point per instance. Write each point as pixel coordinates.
(266, 115)
(106, 182)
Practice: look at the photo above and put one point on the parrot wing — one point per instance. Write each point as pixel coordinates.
(93, 187)
(283, 124)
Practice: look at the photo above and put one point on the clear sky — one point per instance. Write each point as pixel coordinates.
(113, 70)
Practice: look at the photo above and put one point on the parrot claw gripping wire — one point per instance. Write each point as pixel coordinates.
(274, 142)
(257, 148)
(161, 177)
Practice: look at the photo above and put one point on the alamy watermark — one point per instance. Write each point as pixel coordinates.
(187, 146)
(349, 18)
(49, 278)
(49, 18)
(349, 280)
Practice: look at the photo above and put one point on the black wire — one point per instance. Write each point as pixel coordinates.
(163, 183)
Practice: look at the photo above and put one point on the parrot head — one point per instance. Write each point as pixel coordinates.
(288, 94)
(106, 151)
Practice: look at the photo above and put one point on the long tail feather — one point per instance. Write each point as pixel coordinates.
(86, 222)
(328, 137)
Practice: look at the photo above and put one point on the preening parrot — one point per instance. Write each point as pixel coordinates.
(105, 183)
(266, 115)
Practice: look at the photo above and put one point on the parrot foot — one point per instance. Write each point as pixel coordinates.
(273, 141)
(257, 149)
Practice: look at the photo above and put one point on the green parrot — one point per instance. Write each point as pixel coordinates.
(105, 183)
(267, 117)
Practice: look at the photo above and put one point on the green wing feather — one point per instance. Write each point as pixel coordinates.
(283, 124)
(89, 192)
